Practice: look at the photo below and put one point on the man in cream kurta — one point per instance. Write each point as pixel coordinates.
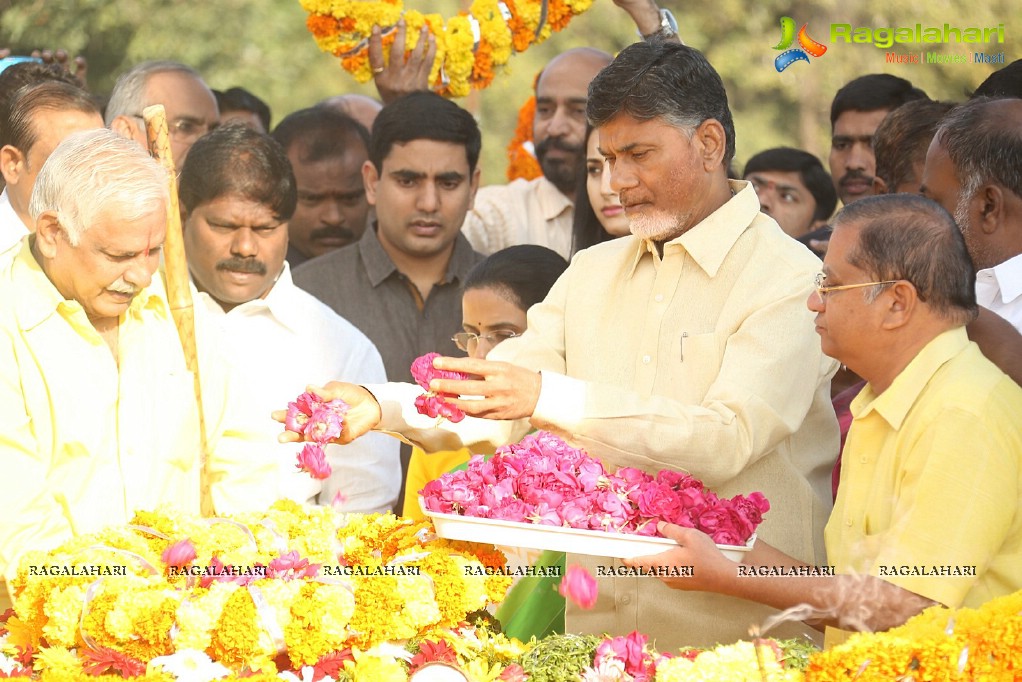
(686, 346)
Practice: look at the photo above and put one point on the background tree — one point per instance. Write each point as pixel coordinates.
(263, 45)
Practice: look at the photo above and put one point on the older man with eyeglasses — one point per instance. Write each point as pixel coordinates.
(927, 509)
(190, 105)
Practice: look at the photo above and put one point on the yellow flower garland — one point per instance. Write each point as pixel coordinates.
(145, 609)
(470, 46)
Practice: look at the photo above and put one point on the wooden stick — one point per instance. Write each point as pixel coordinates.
(179, 293)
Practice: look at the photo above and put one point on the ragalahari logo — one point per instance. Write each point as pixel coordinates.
(808, 45)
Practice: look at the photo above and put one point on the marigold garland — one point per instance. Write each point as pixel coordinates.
(522, 162)
(470, 46)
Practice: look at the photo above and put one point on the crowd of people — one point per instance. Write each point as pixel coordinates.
(695, 328)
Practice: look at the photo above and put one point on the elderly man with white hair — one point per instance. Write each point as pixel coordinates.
(99, 412)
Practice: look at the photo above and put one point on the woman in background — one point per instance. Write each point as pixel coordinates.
(599, 215)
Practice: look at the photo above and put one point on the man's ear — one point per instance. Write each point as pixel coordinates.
(474, 186)
(989, 203)
(879, 185)
(370, 178)
(712, 142)
(902, 299)
(127, 126)
(12, 163)
(47, 233)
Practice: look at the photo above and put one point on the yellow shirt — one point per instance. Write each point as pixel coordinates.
(86, 442)
(931, 479)
(704, 360)
(423, 468)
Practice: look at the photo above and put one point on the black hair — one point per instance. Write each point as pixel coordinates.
(586, 229)
(902, 138)
(810, 170)
(873, 92)
(1005, 82)
(16, 126)
(424, 116)
(983, 146)
(240, 99)
(320, 133)
(652, 79)
(524, 272)
(234, 159)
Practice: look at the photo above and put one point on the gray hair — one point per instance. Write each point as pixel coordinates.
(129, 94)
(909, 237)
(94, 172)
(984, 145)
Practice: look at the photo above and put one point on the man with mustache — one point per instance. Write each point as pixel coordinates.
(98, 408)
(856, 112)
(326, 149)
(237, 194)
(540, 211)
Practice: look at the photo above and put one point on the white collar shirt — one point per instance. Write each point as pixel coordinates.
(1000, 289)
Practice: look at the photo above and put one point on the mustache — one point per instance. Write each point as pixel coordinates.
(855, 175)
(336, 232)
(558, 143)
(242, 265)
(122, 287)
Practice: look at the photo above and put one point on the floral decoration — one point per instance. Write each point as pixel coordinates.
(544, 480)
(430, 403)
(285, 590)
(579, 585)
(470, 46)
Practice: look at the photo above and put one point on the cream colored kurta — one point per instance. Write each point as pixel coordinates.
(521, 212)
(705, 360)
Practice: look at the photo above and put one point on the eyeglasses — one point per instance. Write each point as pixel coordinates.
(822, 291)
(468, 342)
(185, 130)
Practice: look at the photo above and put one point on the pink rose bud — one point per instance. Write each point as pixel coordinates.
(181, 553)
(579, 586)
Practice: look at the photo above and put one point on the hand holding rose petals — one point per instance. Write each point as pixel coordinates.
(579, 586)
(433, 404)
(320, 422)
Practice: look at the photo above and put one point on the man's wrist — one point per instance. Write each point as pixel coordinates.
(666, 27)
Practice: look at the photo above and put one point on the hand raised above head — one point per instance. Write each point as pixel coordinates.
(362, 416)
(400, 75)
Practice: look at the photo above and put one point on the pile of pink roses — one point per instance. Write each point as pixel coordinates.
(544, 480)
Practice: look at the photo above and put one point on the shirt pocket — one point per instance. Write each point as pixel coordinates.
(695, 364)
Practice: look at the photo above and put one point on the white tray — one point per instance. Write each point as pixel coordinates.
(559, 538)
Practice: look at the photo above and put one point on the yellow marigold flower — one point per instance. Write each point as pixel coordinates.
(377, 669)
(58, 661)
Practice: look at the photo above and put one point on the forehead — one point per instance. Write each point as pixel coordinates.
(52, 126)
(428, 157)
(238, 207)
(792, 179)
(859, 123)
(625, 131)
(114, 227)
(182, 95)
(341, 170)
(568, 76)
(939, 181)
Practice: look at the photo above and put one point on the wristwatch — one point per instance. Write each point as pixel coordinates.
(668, 27)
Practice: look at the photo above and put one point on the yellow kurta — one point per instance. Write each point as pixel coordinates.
(931, 479)
(86, 442)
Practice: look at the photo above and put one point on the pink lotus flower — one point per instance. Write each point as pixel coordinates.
(290, 566)
(180, 554)
(312, 460)
(579, 586)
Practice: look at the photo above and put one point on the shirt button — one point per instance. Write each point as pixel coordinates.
(626, 599)
(646, 359)
(658, 298)
(848, 522)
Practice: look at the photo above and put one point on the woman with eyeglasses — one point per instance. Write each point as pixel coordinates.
(497, 293)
